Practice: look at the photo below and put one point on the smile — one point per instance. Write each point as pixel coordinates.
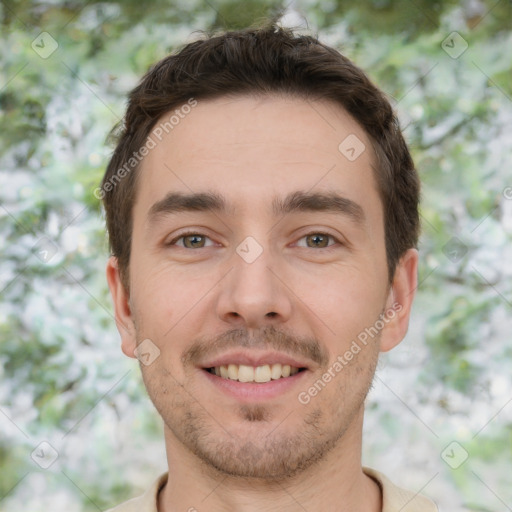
(261, 374)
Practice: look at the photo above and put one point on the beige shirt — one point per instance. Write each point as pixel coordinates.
(394, 498)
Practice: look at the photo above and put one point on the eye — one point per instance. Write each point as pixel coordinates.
(195, 240)
(319, 240)
(191, 240)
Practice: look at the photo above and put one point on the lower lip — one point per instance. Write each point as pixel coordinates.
(250, 391)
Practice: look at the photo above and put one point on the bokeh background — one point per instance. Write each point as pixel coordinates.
(439, 419)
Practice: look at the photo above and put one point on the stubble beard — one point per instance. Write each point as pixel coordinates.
(280, 452)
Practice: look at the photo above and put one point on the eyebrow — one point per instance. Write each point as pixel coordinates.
(299, 201)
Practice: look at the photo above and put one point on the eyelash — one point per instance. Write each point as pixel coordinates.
(328, 248)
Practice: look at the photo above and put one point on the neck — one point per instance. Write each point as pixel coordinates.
(336, 482)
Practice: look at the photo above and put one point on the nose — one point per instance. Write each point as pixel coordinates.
(255, 293)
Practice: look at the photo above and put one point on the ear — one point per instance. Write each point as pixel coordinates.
(123, 314)
(399, 302)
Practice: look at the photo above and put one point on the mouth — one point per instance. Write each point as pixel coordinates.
(254, 374)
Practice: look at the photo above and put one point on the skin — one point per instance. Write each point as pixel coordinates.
(275, 454)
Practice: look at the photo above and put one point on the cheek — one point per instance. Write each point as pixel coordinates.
(349, 295)
(155, 285)
(166, 305)
(155, 304)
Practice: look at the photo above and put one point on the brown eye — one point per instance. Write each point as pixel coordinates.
(194, 241)
(190, 241)
(318, 240)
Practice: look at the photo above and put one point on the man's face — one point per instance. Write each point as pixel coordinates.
(257, 281)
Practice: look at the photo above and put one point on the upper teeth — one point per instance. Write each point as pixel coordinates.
(263, 373)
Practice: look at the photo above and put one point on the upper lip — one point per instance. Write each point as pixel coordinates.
(254, 359)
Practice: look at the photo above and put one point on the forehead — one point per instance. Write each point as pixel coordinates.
(254, 149)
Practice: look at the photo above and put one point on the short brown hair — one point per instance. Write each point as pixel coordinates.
(258, 61)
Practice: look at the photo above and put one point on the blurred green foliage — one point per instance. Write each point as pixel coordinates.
(62, 375)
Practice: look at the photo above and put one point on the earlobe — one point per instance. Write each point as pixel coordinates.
(123, 313)
(400, 299)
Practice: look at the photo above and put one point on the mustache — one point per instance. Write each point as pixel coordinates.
(266, 338)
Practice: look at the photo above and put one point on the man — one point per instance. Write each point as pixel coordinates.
(262, 209)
